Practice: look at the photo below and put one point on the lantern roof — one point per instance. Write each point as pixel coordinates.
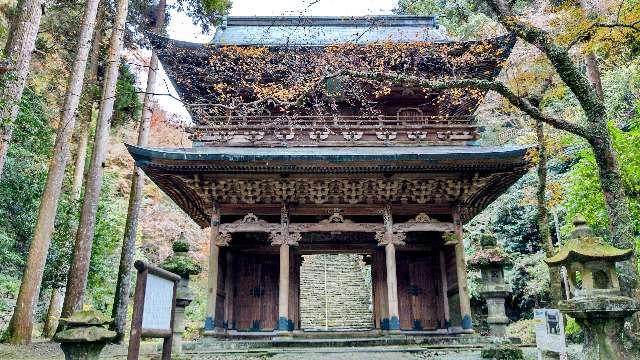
(585, 246)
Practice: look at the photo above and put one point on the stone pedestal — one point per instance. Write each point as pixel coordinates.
(84, 336)
(184, 297)
(180, 263)
(491, 260)
(602, 320)
(497, 318)
(597, 303)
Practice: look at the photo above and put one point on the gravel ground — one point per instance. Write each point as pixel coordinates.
(49, 350)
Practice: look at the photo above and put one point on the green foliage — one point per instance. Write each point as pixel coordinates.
(205, 13)
(105, 257)
(461, 18)
(182, 265)
(502, 352)
(127, 105)
(573, 331)
(530, 280)
(180, 245)
(584, 195)
(23, 181)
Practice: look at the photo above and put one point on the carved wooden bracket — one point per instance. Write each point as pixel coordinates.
(281, 238)
(223, 239)
(385, 238)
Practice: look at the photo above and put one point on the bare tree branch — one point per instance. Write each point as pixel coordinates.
(517, 101)
(557, 55)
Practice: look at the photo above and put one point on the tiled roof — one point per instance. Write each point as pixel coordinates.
(319, 31)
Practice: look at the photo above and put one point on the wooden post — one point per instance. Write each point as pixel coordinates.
(283, 290)
(445, 290)
(389, 240)
(283, 284)
(392, 287)
(135, 336)
(212, 278)
(228, 291)
(461, 271)
(138, 331)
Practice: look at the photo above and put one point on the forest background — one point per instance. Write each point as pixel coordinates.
(572, 188)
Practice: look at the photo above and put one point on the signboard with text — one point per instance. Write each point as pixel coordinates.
(154, 303)
(549, 328)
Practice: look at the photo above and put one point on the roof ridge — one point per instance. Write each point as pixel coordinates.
(349, 21)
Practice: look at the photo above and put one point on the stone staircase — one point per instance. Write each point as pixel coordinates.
(335, 293)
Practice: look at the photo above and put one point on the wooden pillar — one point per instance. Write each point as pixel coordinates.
(461, 271)
(228, 291)
(284, 239)
(283, 290)
(212, 275)
(392, 287)
(389, 240)
(445, 289)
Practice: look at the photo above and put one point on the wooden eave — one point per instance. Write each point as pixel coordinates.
(359, 181)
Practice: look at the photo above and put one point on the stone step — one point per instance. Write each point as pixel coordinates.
(461, 341)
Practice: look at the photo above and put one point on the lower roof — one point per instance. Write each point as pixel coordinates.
(331, 154)
(414, 180)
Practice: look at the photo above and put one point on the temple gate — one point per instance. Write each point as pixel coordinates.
(334, 164)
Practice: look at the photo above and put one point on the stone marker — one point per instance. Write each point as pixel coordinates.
(491, 260)
(84, 335)
(596, 303)
(181, 264)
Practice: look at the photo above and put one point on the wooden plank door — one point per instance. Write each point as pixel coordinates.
(247, 294)
(418, 291)
(269, 300)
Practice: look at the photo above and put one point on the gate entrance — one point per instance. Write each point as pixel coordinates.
(335, 293)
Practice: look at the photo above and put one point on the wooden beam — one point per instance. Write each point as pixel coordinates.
(328, 209)
(263, 226)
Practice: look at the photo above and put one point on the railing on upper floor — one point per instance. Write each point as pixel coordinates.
(333, 130)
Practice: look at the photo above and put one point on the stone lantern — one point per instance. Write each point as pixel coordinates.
(596, 302)
(181, 264)
(84, 335)
(491, 260)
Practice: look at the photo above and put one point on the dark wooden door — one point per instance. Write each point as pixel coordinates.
(418, 290)
(256, 295)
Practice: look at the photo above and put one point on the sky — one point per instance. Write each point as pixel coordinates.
(181, 28)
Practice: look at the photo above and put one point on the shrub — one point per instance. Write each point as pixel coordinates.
(524, 330)
(573, 331)
(502, 352)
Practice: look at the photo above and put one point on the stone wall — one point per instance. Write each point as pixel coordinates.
(343, 301)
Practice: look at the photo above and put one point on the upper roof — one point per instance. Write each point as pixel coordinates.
(327, 30)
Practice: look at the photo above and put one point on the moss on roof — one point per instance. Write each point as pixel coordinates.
(489, 256)
(587, 249)
(585, 246)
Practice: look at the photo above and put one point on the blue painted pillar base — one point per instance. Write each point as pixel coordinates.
(209, 324)
(394, 323)
(285, 324)
(467, 323)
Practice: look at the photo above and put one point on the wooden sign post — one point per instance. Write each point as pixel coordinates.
(154, 303)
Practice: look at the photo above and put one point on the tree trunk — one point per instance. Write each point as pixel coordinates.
(20, 45)
(22, 320)
(123, 284)
(593, 73)
(543, 216)
(620, 223)
(78, 271)
(53, 313)
(82, 139)
(90, 98)
(592, 9)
